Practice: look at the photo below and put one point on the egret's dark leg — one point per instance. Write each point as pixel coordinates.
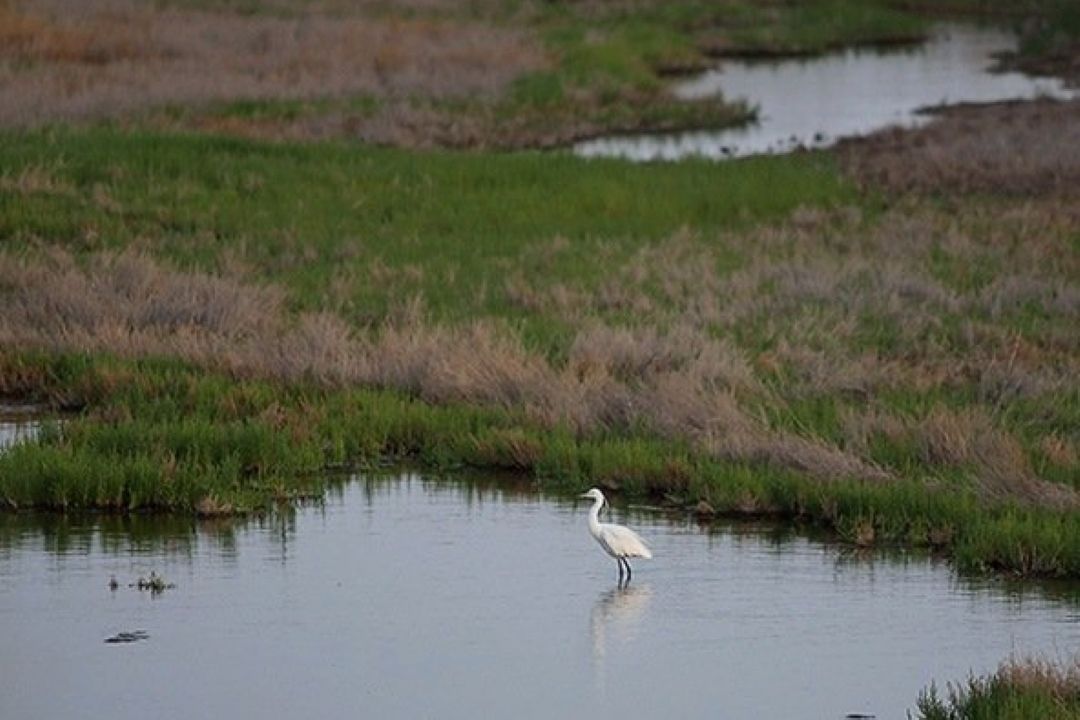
(618, 561)
(628, 573)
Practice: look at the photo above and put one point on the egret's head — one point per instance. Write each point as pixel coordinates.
(593, 494)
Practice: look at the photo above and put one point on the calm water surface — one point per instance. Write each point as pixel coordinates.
(814, 102)
(407, 598)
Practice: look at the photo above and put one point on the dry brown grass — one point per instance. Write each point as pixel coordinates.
(949, 292)
(1002, 469)
(1060, 452)
(678, 384)
(968, 440)
(819, 299)
(639, 354)
(35, 179)
(812, 287)
(417, 74)
(1058, 680)
(30, 38)
(68, 60)
(1019, 148)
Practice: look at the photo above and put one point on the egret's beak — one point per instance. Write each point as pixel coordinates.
(584, 495)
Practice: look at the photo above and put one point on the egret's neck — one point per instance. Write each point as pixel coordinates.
(594, 516)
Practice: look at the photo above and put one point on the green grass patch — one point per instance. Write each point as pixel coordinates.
(304, 214)
(820, 25)
(289, 109)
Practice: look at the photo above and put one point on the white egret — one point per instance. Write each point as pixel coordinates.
(619, 542)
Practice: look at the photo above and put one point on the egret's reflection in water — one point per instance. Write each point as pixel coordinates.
(615, 619)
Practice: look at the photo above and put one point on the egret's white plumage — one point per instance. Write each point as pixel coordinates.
(619, 542)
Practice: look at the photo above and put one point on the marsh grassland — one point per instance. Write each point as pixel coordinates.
(236, 266)
(763, 336)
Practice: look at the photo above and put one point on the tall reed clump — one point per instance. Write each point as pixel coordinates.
(1021, 689)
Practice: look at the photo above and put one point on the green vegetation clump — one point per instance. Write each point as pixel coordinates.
(1019, 690)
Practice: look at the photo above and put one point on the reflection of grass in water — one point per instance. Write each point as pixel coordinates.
(167, 534)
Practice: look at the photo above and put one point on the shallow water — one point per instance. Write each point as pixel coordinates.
(814, 102)
(407, 598)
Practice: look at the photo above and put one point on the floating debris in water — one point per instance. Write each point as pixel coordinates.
(113, 584)
(859, 716)
(155, 584)
(128, 637)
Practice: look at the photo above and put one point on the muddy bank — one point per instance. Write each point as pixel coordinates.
(1019, 148)
(407, 123)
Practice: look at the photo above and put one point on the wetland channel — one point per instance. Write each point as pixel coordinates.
(408, 597)
(814, 102)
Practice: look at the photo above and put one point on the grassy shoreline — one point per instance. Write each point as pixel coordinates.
(158, 435)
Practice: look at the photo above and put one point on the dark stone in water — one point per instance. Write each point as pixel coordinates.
(128, 637)
(859, 716)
